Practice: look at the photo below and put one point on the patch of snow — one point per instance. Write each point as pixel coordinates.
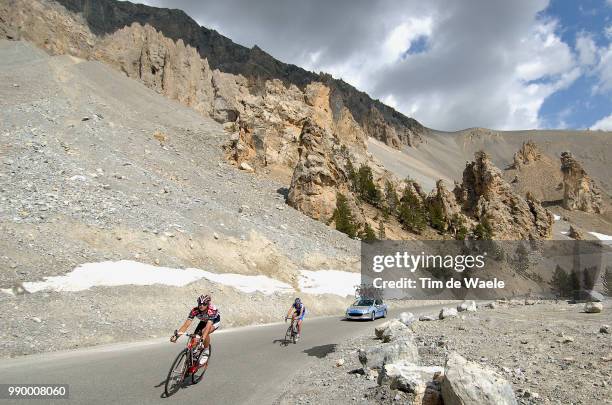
(126, 272)
(78, 177)
(336, 282)
(601, 236)
(556, 217)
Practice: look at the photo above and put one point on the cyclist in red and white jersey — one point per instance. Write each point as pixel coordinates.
(210, 320)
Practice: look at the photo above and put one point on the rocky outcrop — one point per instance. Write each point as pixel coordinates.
(318, 175)
(535, 173)
(484, 194)
(447, 202)
(527, 154)
(170, 68)
(575, 233)
(468, 383)
(579, 190)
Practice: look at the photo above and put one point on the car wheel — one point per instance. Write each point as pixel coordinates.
(373, 316)
(384, 313)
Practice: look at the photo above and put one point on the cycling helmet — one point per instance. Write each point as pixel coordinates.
(203, 299)
(297, 301)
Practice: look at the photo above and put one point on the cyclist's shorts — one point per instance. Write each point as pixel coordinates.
(202, 324)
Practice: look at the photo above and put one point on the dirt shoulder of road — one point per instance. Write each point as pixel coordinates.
(551, 353)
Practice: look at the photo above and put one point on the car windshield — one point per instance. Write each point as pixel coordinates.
(363, 303)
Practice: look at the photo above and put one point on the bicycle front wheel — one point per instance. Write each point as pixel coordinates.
(199, 374)
(176, 375)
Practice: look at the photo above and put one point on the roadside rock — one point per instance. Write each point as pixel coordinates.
(402, 349)
(593, 296)
(447, 313)
(605, 329)
(408, 377)
(407, 318)
(593, 307)
(469, 383)
(469, 306)
(425, 318)
(390, 330)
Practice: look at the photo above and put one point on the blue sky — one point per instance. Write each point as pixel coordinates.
(501, 64)
(579, 106)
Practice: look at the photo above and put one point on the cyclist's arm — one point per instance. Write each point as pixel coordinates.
(289, 312)
(185, 326)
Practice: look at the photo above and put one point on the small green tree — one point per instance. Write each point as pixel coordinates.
(343, 217)
(366, 188)
(391, 198)
(381, 230)
(352, 175)
(458, 228)
(559, 282)
(573, 283)
(411, 212)
(367, 234)
(437, 219)
(483, 230)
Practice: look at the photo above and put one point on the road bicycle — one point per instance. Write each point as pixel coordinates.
(292, 331)
(187, 363)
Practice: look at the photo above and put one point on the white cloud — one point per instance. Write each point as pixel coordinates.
(604, 124)
(587, 50)
(604, 70)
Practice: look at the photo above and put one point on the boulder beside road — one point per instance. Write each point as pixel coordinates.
(469, 383)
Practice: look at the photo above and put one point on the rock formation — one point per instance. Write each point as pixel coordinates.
(579, 190)
(485, 194)
(318, 175)
(536, 173)
(527, 154)
(447, 202)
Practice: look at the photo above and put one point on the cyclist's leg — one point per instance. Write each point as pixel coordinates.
(299, 326)
(206, 333)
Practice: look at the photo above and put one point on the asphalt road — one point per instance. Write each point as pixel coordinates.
(248, 365)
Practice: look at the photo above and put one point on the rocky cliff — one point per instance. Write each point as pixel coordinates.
(170, 52)
(167, 51)
(579, 191)
(319, 174)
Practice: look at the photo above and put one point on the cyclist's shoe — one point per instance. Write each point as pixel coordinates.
(297, 337)
(204, 356)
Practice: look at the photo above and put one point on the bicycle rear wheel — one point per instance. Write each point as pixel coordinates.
(197, 376)
(176, 375)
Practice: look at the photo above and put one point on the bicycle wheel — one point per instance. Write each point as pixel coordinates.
(294, 334)
(176, 375)
(289, 334)
(197, 376)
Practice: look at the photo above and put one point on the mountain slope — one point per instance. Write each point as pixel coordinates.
(107, 16)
